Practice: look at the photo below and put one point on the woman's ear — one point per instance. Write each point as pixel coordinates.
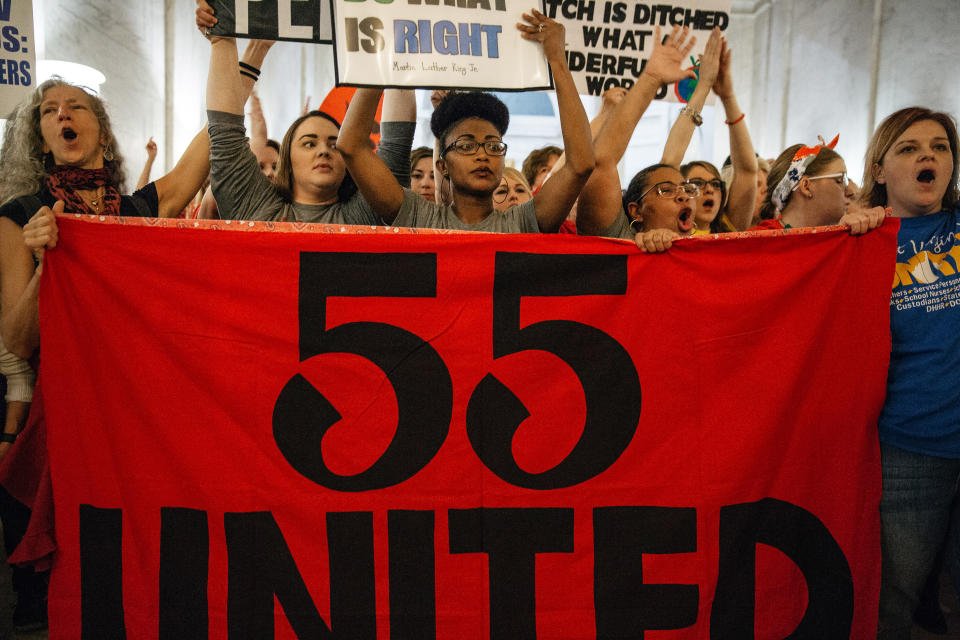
(803, 187)
(635, 213)
(878, 174)
(442, 167)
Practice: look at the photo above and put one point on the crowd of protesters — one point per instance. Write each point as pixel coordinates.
(60, 155)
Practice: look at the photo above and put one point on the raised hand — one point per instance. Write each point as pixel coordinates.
(667, 58)
(206, 20)
(710, 60)
(611, 98)
(151, 149)
(548, 32)
(723, 85)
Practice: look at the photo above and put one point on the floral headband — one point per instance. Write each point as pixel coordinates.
(798, 166)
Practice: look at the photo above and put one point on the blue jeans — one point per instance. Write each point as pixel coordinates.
(919, 514)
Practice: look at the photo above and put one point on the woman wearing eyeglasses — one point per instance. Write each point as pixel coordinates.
(807, 188)
(470, 128)
(717, 210)
(658, 206)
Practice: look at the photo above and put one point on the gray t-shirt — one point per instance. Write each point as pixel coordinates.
(619, 228)
(242, 192)
(418, 212)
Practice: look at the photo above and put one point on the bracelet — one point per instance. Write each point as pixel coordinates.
(733, 122)
(249, 67)
(8, 437)
(244, 72)
(694, 115)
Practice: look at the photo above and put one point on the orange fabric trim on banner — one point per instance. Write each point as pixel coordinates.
(393, 433)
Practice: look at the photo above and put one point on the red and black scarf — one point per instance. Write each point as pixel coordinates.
(63, 182)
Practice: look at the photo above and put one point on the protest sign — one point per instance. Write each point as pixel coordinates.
(376, 433)
(295, 20)
(437, 44)
(402, 43)
(609, 41)
(18, 59)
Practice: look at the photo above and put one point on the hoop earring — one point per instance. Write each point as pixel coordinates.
(505, 196)
(447, 178)
(636, 225)
(108, 155)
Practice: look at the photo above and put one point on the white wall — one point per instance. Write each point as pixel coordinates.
(821, 67)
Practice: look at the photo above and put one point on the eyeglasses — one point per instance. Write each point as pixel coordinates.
(670, 189)
(716, 183)
(469, 147)
(842, 176)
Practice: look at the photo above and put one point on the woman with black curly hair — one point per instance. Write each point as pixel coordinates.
(470, 128)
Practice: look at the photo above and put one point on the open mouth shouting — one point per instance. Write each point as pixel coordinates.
(68, 134)
(685, 220)
(927, 176)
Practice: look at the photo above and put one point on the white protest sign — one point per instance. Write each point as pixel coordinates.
(436, 44)
(609, 41)
(17, 58)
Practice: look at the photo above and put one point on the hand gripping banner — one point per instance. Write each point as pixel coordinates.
(377, 433)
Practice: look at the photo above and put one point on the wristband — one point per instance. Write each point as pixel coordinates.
(249, 67)
(733, 122)
(694, 115)
(246, 73)
(8, 437)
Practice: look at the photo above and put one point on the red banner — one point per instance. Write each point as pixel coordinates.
(416, 435)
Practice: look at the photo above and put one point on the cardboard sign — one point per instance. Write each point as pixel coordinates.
(609, 41)
(18, 59)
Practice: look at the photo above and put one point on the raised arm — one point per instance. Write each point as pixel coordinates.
(398, 124)
(743, 189)
(682, 130)
(227, 91)
(148, 165)
(558, 194)
(379, 187)
(600, 200)
(610, 99)
(258, 124)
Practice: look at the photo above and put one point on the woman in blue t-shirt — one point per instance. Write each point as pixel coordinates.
(911, 167)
